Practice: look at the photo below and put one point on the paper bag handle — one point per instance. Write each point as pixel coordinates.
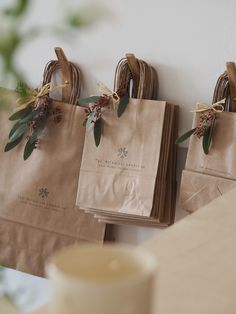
(71, 76)
(134, 68)
(231, 72)
(66, 73)
(222, 91)
(143, 76)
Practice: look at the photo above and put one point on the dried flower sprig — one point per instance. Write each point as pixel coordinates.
(96, 106)
(34, 108)
(206, 124)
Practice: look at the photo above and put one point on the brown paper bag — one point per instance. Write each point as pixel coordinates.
(119, 175)
(130, 176)
(163, 207)
(206, 177)
(37, 208)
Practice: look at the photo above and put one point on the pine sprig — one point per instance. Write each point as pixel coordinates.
(23, 89)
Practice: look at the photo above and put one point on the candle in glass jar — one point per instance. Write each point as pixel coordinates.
(90, 279)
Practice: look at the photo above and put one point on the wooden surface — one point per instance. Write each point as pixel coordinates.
(197, 258)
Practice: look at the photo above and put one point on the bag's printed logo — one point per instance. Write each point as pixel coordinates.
(43, 193)
(122, 152)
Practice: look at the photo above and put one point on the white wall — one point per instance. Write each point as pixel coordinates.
(187, 41)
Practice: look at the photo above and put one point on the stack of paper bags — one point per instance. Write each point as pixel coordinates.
(130, 177)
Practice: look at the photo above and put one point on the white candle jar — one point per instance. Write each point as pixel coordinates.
(109, 279)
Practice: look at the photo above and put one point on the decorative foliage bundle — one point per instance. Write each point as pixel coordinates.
(34, 108)
(206, 124)
(96, 106)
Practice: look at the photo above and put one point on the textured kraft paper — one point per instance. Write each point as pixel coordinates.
(199, 189)
(119, 175)
(205, 176)
(37, 212)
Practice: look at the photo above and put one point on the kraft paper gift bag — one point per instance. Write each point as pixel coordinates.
(37, 208)
(207, 176)
(124, 179)
(163, 208)
(125, 163)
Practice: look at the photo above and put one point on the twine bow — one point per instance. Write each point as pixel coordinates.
(105, 90)
(23, 102)
(217, 107)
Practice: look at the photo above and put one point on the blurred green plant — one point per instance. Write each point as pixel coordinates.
(12, 36)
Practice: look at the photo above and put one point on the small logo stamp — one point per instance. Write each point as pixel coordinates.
(43, 193)
(122, 152)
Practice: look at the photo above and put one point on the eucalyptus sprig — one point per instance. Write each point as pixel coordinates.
(203, 129)
(30, 119)
(96, 105)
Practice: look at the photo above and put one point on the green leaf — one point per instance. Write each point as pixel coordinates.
(18, 133)
(11, 145)
(13, 129)
(88, 100)
(90, 117)
(29, 147)
(185, 136)
(29, 117)
(21, 113)
(97, 131)
(122, 105)
(38, 131)
(207, 138)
